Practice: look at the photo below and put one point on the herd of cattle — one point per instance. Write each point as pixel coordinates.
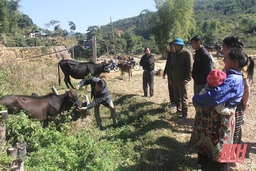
(49, 107)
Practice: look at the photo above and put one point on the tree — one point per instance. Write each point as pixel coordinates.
(14, 15)
(174, 18)
(134, 42)
(72, 26)
(25, 21)
(52, 23)
(94, 31)
(13, 5)
(4, 22)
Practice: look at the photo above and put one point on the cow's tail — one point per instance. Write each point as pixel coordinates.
(59, 72)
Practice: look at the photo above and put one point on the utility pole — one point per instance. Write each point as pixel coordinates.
(113, 36)
(94, 49)
(73, 52)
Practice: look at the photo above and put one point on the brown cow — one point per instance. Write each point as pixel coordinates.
(125, 67)
(43, 108)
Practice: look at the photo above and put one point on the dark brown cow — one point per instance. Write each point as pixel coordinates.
(79, 70)
(43, 108)
(125, 67)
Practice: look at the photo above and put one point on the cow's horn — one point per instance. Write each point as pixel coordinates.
(54, 90)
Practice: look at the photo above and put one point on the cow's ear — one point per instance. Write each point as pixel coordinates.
(71, 91)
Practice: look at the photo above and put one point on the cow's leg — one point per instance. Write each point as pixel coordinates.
(71, 85)
(68, 82)
(122, 74)
(45, 123)
(67, 85)
(130, 75)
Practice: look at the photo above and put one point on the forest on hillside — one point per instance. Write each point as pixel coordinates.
(212, 19)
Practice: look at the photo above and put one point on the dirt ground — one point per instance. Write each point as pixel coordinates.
(161, 96)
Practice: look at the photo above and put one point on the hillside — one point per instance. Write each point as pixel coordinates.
(215, 18)
(30, 69)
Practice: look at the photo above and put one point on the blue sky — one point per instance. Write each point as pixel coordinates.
(83, 13)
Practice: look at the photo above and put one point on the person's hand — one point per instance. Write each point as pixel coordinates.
(77, 87)
(247, 106)
(81, 108)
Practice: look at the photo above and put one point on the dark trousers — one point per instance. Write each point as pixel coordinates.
(181, 97)
(148, 81)
(171, 95)
(208, 165)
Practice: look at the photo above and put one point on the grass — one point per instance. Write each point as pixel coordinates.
(149, 138)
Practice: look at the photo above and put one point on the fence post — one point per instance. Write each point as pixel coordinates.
(3, 117)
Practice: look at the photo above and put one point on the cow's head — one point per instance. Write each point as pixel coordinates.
(105, 67)
(73, 97)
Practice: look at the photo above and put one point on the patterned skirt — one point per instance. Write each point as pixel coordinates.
(239, 122)
(211, 130)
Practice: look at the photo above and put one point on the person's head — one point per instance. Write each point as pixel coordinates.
(100, 85)
(236, 59)
(231, 42)
(196, 42)
(172, 47)
(215, 78)
(178, 43)
(146, 50)
(208, 48)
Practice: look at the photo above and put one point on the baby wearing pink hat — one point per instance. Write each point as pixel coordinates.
(214, 79)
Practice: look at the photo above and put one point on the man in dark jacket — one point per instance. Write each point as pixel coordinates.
(147, 62)
(167, 72)
(101, 95)
(202, 65)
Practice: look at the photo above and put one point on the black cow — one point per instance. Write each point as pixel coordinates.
(43, 108)
(79, 70)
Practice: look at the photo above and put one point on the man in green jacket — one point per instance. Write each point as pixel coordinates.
(180, 75)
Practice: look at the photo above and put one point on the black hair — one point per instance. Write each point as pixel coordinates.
(197, 38)
(243, 60)
(233, 41)
(145, 48)
(250, 69)
(170, 43)
(102, 84)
